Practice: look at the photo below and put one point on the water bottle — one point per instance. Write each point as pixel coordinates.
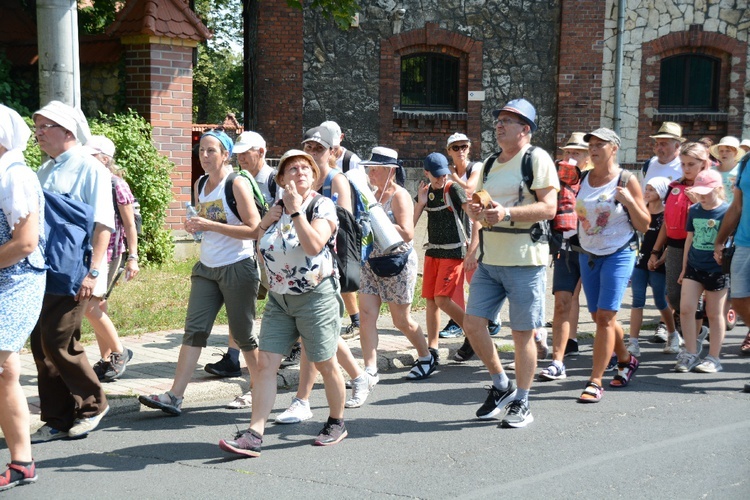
(190, 213)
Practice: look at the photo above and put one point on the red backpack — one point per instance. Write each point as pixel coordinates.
(570, 182)
(676, 211)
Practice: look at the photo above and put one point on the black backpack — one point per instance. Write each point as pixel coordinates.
(347, 247)
(260, 200)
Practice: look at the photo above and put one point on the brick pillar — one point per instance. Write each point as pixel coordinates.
(159, 85)
(278, 76)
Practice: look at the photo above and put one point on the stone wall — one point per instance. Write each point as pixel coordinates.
(102, 89)
(519, 46)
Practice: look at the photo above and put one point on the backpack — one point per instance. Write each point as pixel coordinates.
(539, 231)
(448, 204)
(137, 217)
(69, 229)
(676, 206)
(570, 182)
(644, 167)
(360, 213)
(346, 248)
(260, 200)
(346, 161)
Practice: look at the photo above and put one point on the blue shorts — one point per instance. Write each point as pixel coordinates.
(643, 278)
(740, 273)
(605, 282)
(567, 271)
(523, 286)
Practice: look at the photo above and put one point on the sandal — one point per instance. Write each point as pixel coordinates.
(172, 407)
(745, 347)
(422, 369)
(592, 393)
(625, 372)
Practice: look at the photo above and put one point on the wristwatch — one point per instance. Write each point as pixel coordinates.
(506, 218)
(295, 214)
(94, 273)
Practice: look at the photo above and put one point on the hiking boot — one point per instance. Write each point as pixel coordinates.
(351, 332)
(571, 348)
(709, 365)
(294, 356)
(245, 443)
(17, 475)
(225, 367)
(116, 366)
(46, 433)
(673, 344)
(167, 402)
(540, 338)
(331, 434)
(451, 331)
(297, 412)
(518, 415)
(241, 402)
(553, 372)
(361, 387)
(634, 348)
(496, 400)
(660, 337)
(83, 426)
(464, 353)
(494, 328)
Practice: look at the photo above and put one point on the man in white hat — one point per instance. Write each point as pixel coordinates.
(250, 148)
(666, 159)
(345, 160)
(513, 258)
(70, 395)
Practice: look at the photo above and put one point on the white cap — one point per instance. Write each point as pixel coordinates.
(249, 140)
(458, 136)
(100, 144)
(335, 130)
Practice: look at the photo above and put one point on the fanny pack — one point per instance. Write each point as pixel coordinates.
(389, 265)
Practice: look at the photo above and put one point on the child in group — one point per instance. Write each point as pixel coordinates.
(444, 203)
(729, 153)
(701, 272)
(651, 274)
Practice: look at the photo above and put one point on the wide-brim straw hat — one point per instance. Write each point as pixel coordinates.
(669, 130)
(576, 142)
(728, 141)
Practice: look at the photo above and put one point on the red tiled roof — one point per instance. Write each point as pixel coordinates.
(167, 18)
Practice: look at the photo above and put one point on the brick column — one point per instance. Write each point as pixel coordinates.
(159, 85)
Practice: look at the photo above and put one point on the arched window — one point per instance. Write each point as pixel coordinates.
(689, 82)
(429, 81)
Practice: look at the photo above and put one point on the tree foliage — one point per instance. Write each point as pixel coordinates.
(341, 11)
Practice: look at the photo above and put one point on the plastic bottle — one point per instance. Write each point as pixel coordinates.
(190, 212)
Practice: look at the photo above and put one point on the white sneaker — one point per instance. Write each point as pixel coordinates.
(686, 362)
(540, 337)
(709, 365)
(297, 412)
(83, 426)
(673, 344)
(241, 402)
(361, 388)
(634, 348)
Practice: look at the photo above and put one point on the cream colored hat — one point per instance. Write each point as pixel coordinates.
(576, 142)
(728, 141)
(669, 130)
(745, 144)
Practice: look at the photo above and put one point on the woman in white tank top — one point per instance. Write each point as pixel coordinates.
(609, 211)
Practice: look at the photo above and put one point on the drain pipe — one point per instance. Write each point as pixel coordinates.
(618, 65)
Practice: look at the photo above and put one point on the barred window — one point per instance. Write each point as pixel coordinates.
(429, 81)
(689, 82)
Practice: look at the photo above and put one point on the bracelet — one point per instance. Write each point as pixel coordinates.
(264, 229)
(133, 256)
(295, 214)
(655, 252)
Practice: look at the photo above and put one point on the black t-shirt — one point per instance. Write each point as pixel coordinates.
(649, 240)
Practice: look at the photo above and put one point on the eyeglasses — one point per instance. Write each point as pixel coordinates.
(46, 126)
(506, 121)
(462, 147)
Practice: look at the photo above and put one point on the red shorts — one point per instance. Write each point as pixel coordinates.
(441, 277)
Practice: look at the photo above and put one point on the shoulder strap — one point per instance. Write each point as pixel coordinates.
(644, 167)
(743, 164)
(201, 182)
(527, 169)
(346, 161)
(229, 194)
(488, 166)
(327, 182)
(449, 203)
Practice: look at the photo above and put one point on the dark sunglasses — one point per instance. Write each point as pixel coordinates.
(462, 147)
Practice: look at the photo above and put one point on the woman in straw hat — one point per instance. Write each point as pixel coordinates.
(728, 153)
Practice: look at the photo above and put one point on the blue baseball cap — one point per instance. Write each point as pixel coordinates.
(223, 139)
(522, 108)
(437, 164)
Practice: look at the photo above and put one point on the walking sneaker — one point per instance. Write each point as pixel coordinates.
(241, 402)
(167, 402)
(612, 365)
(297, 412)
(496, 400)
(451, 331)
(709, 365)
(660, 336)
(702, 335)
(464, 353)
(245, 443)
(46, 433)
(673, 344)
(494, 328)
(517, 415)
(294, 356)
(225, 367)
(361, 387)
(331, 434)
(17, 475)
(374, 379)
(686, 362)
(634, 348)
(82, 426)
(351, 332)
(540, 337)
(116, 366)
(571, 348)
(553, 372)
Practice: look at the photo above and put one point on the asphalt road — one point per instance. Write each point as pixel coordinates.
(667, 435)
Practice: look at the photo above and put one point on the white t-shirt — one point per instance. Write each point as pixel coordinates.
(672, 170)
(353, 161)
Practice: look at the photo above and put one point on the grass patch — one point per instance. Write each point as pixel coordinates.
(157, 300)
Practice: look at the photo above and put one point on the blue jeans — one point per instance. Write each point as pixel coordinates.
(605, 282)
(643, 278)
